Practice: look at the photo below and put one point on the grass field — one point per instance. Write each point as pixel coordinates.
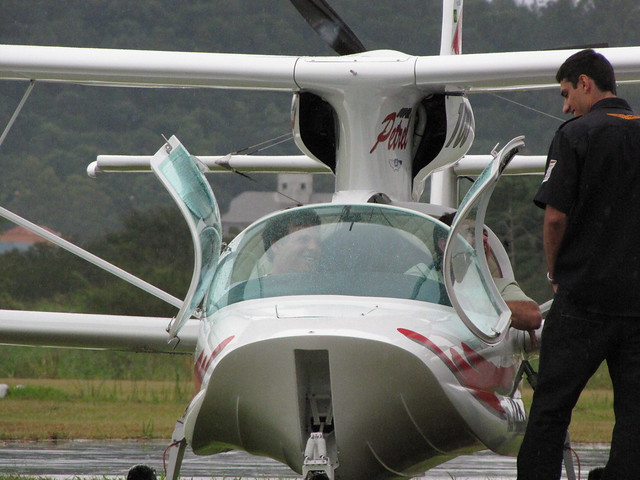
(98, 409)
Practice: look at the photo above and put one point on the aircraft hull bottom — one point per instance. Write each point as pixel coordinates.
(389, 415)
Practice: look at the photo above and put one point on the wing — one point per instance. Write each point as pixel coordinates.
(487, 72)
(113, 332)
(145, 68)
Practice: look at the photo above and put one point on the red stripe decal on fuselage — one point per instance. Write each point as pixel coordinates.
(473, 371)
(204, 361)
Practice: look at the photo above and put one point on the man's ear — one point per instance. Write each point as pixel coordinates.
(275, 246)
(585, 83)
(442, 243)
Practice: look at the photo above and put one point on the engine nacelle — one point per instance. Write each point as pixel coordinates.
(404, 138)
(444, 132)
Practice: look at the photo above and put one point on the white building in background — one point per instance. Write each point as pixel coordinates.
(293, 189)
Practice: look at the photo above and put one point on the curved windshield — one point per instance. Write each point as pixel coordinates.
(359, 250)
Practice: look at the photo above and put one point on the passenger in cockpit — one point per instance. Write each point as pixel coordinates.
(525, 313)
(292, 245)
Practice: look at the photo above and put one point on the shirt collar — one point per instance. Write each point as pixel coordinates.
(610, 102)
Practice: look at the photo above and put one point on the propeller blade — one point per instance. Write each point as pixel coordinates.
(328, 24)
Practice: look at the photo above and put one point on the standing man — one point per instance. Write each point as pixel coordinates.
(591, 197)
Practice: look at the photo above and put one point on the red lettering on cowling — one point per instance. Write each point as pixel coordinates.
(394, 133)
(388, 123)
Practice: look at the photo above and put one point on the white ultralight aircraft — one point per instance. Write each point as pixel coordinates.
(336, 338)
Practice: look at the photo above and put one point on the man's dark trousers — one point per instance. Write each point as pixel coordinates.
(574, 344)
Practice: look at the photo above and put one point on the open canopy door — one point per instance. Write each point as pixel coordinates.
(468, 281)
(182, 176)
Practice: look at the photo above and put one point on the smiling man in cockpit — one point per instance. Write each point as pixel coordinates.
(292, 242)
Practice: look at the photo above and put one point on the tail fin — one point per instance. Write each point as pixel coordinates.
(451, 39)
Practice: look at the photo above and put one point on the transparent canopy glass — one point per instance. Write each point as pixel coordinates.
(467, 275)
(357, 250)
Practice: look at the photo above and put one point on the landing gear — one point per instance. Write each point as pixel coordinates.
(317, 465)
(176, 452)
(314, 475)
(567, 455)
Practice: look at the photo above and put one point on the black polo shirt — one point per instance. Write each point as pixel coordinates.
(593, 176)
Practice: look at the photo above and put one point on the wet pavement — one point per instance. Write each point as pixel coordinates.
(78, 458)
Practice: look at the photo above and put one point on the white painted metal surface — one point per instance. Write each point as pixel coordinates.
(472, 72)
(93, 331)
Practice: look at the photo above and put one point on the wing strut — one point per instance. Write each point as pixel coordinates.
(90, 257)
(17, 111)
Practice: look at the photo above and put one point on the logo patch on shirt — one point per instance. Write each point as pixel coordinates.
(547, 174)
(624, 116)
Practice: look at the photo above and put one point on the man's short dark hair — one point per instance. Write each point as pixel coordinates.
(281, 225)
(440, 233)
(592, 64)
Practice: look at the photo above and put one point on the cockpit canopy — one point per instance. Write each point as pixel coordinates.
(357, 250)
